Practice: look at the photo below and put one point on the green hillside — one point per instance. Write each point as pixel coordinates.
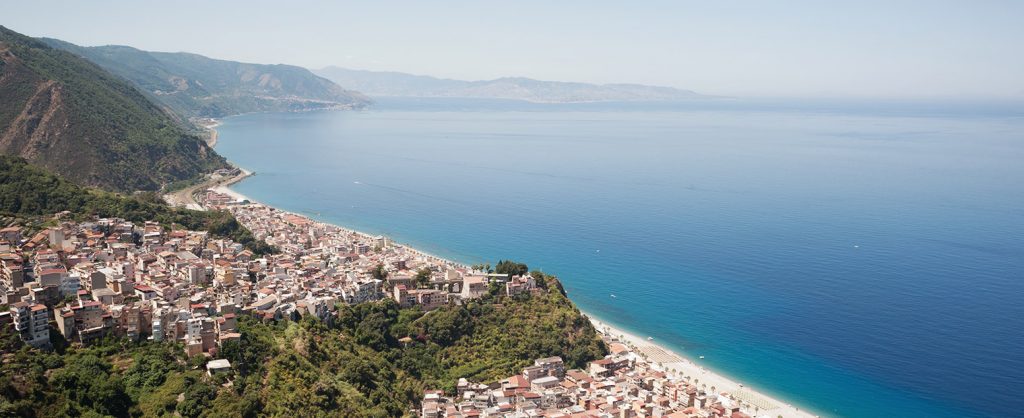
(196, 86)
(352, 368)
(71, 117)
(27, 192)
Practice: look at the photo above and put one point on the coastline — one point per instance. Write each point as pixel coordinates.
(672, 362)
(186, 196)
(212, 140)
(664, 357)
(210, 125)
(225, 188)
(769, 406)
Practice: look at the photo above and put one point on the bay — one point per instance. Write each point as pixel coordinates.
(861, 259)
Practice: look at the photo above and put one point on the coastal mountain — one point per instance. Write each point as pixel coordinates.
(382, 83)
(196, 86)
(70, 116)
(30, 192)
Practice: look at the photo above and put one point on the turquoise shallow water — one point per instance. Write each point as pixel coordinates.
(861, 259)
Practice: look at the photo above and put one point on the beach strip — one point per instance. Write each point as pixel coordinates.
(683, 367)
(663, 357)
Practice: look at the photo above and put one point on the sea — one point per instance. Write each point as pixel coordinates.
(856, 258)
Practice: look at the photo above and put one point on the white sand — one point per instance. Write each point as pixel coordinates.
(225, 186)
(768, 406)
(234, 195)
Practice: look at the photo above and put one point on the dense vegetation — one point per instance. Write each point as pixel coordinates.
(29, 191)
(355, 365)
(74, 118)
(511, 268)
(196, 86)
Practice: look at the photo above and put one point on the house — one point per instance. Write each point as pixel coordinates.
(474, 287)
(218, 366)
(401, 295)
(520, 284)
(549, 366)
(541, 384)
(32, 322)
(145, 292)
(11, 234)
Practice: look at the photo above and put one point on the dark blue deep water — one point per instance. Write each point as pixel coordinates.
(860, 259)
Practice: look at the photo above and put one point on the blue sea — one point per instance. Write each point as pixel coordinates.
(861, 259)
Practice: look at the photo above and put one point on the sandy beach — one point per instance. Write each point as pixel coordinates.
(186, 197)
(211, 126)
(223, 188)
(767, 406)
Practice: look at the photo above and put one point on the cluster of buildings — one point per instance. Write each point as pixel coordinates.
(624, 384)
(111, 277)
(339, 264)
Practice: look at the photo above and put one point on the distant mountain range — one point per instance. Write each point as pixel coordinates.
(196, 86)
(381, 83)
(70, 116)
(116, 117)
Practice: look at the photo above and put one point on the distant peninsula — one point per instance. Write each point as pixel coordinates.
(396, 84)
(193, 85)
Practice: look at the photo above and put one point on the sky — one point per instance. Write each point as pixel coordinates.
(784, 48)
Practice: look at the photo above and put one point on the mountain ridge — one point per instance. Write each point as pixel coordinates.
(72, 117)
(194, 85)
(392, 83)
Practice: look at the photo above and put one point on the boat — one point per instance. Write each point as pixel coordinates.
(613, 295)
(650, 338)
(702, 357)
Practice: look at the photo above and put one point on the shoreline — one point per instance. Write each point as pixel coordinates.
(657, 353)
(239, 197)
(210, 125)
(212, 140)
(668, 360)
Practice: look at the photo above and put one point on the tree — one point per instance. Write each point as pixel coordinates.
(511, 268)
(197, 398)
(379, 272)
(423, 277)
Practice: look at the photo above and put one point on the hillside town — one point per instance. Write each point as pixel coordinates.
(630, 382)
(624, 384)
(109, 277)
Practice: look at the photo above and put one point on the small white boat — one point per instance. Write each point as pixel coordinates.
(650, 338)
(702, 357)
(613, 295)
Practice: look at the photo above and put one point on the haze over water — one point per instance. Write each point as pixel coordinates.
(862, 260)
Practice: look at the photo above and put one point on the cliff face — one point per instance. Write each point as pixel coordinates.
(73, 118)
(196, 86)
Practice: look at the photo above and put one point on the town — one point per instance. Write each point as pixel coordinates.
(109, 277)
(624, 384)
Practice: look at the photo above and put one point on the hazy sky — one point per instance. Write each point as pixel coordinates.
(926, 48)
